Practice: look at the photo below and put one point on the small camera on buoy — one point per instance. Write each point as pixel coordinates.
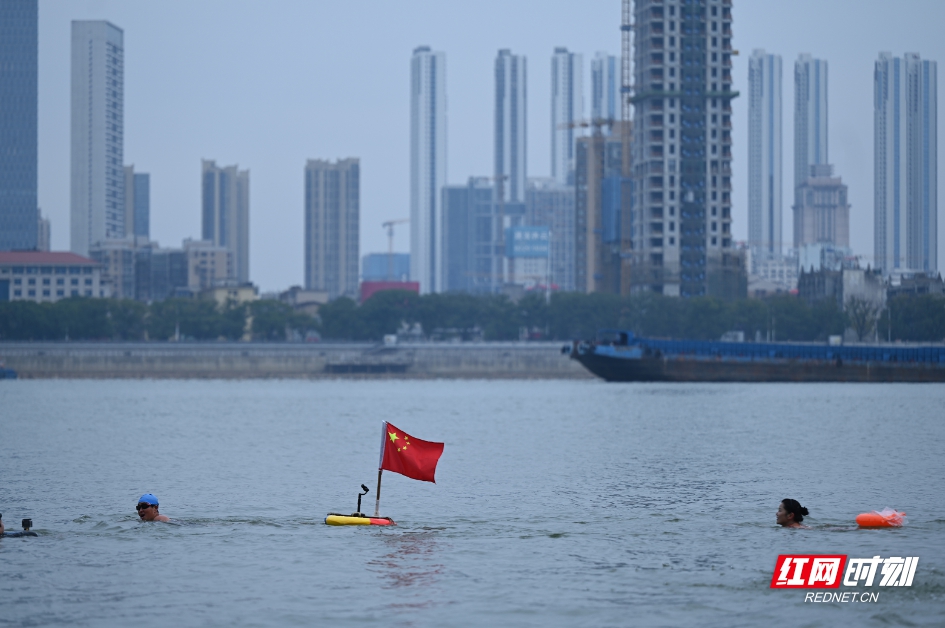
(360, 495)
(27, 524)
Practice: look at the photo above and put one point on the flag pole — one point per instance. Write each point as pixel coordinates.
(380, 470)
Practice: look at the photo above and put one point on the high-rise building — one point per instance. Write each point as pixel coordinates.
(427, 167)
(567, 109)
(510, 136)
(605, 86)
(18, 93)
(905, 161)
(822, 211)
(682, 149)
(810, 116)
(98, 186)
(137, 202)
(548, 204)
(332, 218)
(598, 212)
(471, 259)
(764, 155)
(225, 215)
(43, 232)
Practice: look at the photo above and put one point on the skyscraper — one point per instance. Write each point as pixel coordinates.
(567, 104)
(98, 187)
(764, 155)
(225, 214)
(905, 154)
(810, 116)
(605, 87)
(427, 167)
(510, 138)
(137, 202)
(682, 149)
(18, 72)
(332, 218)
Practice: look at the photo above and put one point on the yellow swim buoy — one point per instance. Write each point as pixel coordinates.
(357, 519)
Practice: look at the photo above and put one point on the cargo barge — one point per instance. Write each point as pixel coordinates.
(620, 356)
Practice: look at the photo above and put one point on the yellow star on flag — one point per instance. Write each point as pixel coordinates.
(393, 436)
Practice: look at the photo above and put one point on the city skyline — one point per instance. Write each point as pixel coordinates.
(174, 200)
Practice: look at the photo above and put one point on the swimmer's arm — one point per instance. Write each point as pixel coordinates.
(1, 526)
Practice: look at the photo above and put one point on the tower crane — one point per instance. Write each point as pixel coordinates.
(389, 225)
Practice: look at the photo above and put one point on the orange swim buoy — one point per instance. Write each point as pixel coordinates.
(886, 518)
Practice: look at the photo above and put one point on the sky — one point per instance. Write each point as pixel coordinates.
(268, 85)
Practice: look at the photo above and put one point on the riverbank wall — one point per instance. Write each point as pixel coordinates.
(236, 360)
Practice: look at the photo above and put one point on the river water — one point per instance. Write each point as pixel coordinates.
(556, 503)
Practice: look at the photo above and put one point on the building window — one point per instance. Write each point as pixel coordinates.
(17, 293)
(75, 282)
(45, 281)
(60, 281)
(60, 293)
(88, 293)
(75, 293)
(17, 281)
(31, 281)
(45, 293)
(31, 293)
(88, 282)
(672, 241)
(715, 226)
(713, 241)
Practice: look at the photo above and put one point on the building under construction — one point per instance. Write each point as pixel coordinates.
(680, 221)
(602, 202)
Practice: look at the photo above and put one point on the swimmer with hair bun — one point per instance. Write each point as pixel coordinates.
(791, 513)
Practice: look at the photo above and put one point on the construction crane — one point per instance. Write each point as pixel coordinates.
(596, 124)
(389, 225)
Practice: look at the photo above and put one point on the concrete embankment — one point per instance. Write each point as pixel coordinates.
(235, 360)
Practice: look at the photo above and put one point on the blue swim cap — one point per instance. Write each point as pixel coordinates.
(148, 498)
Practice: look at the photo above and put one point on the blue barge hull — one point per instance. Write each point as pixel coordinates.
(623, 357)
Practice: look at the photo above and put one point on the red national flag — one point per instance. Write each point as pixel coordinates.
(410, 456)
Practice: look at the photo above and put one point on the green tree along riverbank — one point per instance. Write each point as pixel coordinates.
(565, 317)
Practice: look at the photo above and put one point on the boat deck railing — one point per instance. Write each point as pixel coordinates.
(933, 355)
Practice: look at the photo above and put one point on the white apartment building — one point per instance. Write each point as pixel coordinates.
(97, 190)
(510, 133)
(567, 109)
(905, 154)
(764, 156)
(427, 168)
(810, 116)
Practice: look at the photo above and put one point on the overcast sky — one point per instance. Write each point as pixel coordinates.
(267, 85)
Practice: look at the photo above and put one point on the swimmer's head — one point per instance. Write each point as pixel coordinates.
(148, 498)
(791, 507)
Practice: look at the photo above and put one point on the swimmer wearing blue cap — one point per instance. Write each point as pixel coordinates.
(148, 509)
